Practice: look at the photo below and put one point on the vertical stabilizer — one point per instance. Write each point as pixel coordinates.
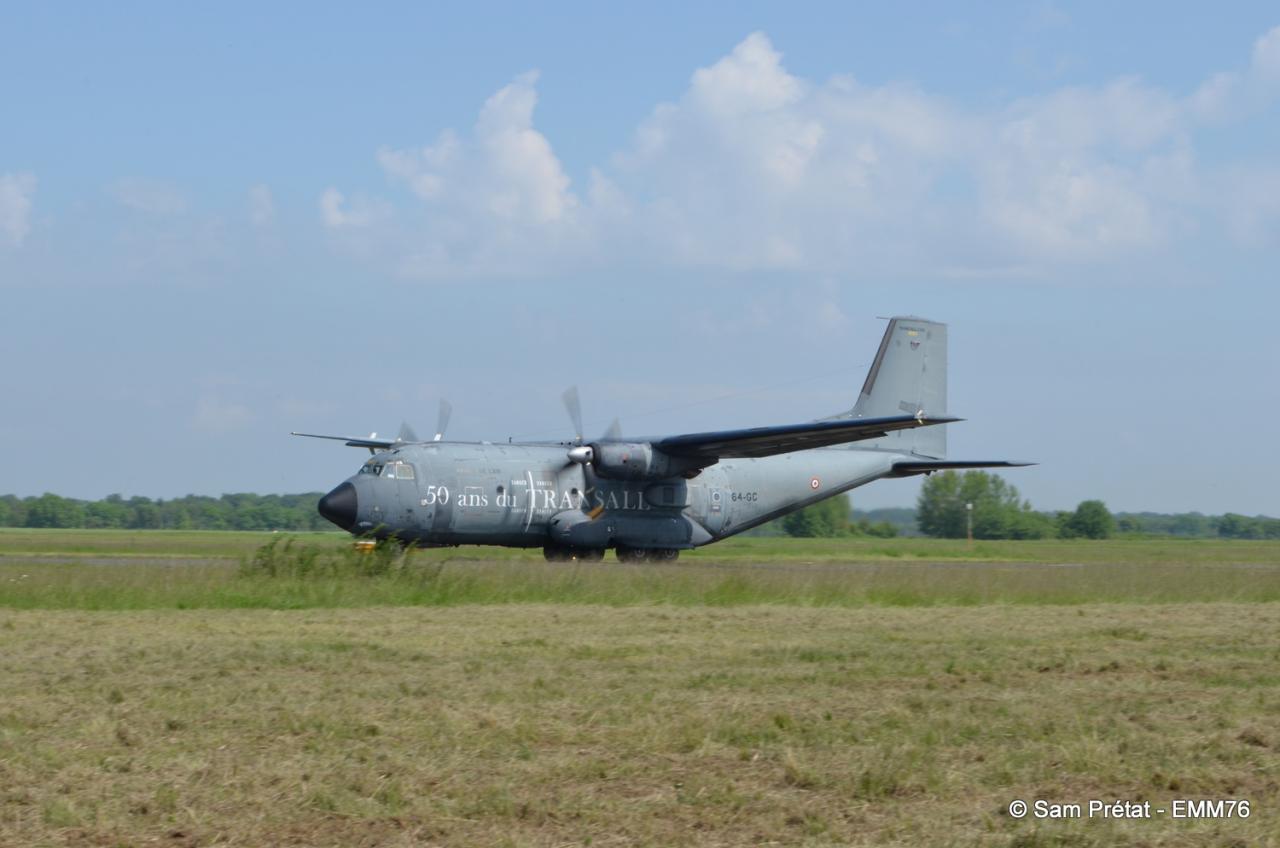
(908, 376)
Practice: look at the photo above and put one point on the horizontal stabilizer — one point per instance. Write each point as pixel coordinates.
(767, 441)
(353, 441)
(906, 468)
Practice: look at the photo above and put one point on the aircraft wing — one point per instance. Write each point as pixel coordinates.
(906, 468)
(767, 441)
(353, 441)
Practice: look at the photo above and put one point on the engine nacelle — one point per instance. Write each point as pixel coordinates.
(638, 461)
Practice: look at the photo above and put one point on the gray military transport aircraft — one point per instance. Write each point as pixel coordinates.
(650, 498)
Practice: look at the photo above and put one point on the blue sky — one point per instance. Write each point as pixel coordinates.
(221, 224)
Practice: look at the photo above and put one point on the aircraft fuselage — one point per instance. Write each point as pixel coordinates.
(530, 496)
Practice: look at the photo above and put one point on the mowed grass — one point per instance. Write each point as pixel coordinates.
(764, 691)
(546, 724)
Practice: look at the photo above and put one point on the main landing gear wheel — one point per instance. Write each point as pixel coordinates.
(647, 554)
(561, 553)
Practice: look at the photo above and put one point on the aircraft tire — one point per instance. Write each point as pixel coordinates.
(626, 554)
(665, 554)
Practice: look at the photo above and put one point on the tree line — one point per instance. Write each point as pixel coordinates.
(998, 512)
(193, 512)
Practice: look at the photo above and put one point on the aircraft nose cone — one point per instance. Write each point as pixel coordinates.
(339, 506)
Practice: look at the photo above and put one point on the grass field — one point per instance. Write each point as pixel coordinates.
(900, 694)
(206, 544)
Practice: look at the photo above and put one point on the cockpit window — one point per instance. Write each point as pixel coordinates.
(371, 467)
(394, 469)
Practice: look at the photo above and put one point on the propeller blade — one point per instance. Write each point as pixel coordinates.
(574, 407)
(446, 409)
(614, 433)
(406, 433)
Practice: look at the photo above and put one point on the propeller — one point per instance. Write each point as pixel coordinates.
(573, 405)
(406, 433)
(582, 454)
(446, 409)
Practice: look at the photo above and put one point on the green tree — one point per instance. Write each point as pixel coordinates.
(111, 512)
(1234, 526)
(1026, 523)
(1189, 524)
(50, 510)
(998, 511)
(1128, 524)
(1091, 520)
(144, 515)
(829, 517)
(12, 512)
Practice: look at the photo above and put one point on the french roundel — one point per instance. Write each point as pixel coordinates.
(815, 484)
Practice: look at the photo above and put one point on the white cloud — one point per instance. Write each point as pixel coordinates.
(1253, 211)
(152, 197)
(748, 80)
(527, 183)
(495, 201)
(755, 168)
(1266, 56)
(16, 192)
(339, 214)
(1216, 98)
(262, 206)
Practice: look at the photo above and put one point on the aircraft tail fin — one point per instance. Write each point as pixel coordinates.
(908, 376)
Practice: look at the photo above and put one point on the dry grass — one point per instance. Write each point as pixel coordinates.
(566, 725)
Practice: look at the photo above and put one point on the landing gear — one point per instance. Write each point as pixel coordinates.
(563, 553)
(626, 554)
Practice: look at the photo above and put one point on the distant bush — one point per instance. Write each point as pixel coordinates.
(830, 518)
(1233, 526)
(823, 519)
(1091, 520)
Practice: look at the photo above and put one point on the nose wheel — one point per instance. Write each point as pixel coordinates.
(562, 553)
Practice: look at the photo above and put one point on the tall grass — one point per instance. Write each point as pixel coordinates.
(287, 573)
(232, 545)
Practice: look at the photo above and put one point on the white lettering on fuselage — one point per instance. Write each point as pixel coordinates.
(542, 497)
